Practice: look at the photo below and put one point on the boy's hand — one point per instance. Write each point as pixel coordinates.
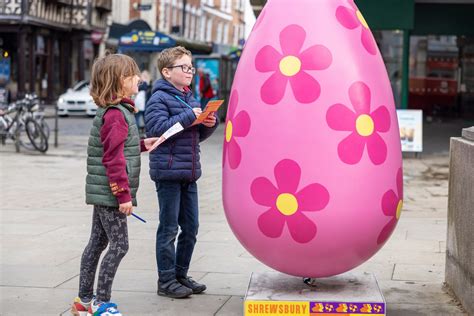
(210, 121)
(197, 111)
(126, 208)
(149, 142)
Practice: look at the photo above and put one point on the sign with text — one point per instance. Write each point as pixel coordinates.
(305, 308)
(145, 41)
(410, 123)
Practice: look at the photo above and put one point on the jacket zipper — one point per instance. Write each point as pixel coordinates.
(170, 160)
(194, 154)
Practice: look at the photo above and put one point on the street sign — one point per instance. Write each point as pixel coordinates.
(142, 7)
(145, 41)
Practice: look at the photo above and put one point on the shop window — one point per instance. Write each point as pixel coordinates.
(434, 74)
(390, 44)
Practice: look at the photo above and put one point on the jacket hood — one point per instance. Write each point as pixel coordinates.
(164, 85)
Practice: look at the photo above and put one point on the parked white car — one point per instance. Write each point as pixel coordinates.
(77, 101)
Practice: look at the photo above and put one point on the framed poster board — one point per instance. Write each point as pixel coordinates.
(410, 123)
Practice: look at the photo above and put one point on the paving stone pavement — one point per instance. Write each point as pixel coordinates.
(45, 224)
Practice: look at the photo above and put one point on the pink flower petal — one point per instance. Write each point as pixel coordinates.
(387, 231)
(287, 174)
(263, 192)
(292, 39)
(271, 223)
(302, 229)
(347, 17)
(368, 41)
(390, 203)
(305, 88)
(313, 197)
(234, 100)
(377, 149)
(359, 93)
(234, 154)
(400, 183)
(381, 118)
(351, 148)
(241, 124)
(267, 59)
(274, 88)
(317, 57)
(340, 118)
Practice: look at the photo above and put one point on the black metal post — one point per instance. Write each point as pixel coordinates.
(184, 17)
(21, 61)
(56, 129)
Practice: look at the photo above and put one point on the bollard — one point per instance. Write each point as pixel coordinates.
(459, 246)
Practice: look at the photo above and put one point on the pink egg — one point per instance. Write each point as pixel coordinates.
(312, 164)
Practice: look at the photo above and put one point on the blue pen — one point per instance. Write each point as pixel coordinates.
(138, 217)
(180, 100)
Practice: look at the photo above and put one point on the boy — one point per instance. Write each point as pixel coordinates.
(175, 167)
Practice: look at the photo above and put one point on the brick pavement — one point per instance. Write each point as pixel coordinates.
(45, 226)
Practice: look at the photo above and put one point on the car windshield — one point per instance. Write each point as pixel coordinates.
(82, 85)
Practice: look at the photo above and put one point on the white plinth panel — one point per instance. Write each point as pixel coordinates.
(274, 293)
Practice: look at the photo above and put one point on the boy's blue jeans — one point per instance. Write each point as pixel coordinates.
(178, 206)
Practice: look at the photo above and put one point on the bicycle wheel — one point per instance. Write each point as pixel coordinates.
(3, 130)
(36, 135)
(45, 128)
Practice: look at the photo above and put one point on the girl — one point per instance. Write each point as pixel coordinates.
(113, 169)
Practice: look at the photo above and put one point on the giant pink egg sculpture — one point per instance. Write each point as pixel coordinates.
(312, 166)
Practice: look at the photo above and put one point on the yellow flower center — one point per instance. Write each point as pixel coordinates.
(361, 19)
(228, 131)
(290, 66)
(399, 209)
(365, 125)
(287, 204)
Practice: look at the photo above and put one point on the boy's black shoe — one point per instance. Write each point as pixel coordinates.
(173, 289)
(193, 285)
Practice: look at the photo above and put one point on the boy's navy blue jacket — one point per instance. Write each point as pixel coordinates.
(177, 159)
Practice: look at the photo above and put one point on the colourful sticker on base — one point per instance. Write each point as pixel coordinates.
(338, 308)
(276, 308)
(284, 308)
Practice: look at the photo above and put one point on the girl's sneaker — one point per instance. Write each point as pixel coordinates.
(103, 309)
(79, 308)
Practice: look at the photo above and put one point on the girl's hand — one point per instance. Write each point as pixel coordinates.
(126, 208)
(149, 142)
(210, 121)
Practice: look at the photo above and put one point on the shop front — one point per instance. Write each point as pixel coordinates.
(428, 49)
(144, 45)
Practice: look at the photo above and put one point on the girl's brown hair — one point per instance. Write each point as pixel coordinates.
(107, 75)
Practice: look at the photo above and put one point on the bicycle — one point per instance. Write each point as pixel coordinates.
(13, 127)
(34, 111)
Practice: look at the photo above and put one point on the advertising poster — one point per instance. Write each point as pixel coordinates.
(410, 123)
(5, 66)
(208, 66)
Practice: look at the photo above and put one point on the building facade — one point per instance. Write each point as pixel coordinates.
(205, 27)
(51, 44)
(220, 22)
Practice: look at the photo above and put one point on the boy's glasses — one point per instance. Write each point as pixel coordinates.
(184, 68)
